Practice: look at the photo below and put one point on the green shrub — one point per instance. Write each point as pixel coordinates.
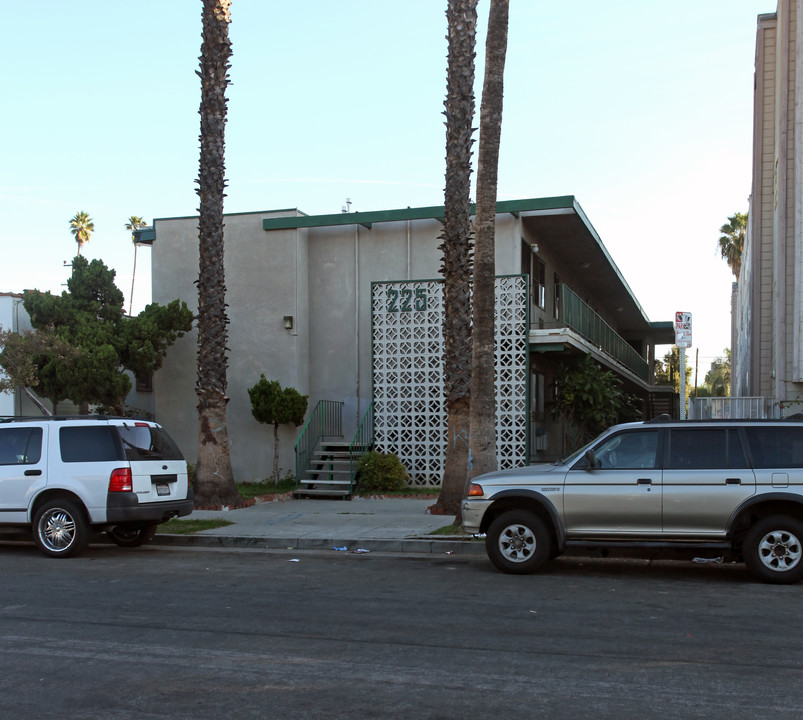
(381, 472)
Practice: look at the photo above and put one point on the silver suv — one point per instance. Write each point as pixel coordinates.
(67, 477)
(731, 488)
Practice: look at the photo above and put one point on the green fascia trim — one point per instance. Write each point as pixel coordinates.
(547, 347)
(145, 236)
(581, 214)
(435, 212)
(233, 214)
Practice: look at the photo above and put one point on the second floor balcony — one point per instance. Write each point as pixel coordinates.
(559, 315)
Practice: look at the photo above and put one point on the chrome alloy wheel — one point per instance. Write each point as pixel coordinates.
(56, 529)
(517, 543)
(779, 550)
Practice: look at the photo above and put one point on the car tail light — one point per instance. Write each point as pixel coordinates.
(120, 480)
(474, 490)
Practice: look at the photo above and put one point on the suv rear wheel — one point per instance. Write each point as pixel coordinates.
(773, 549)
(518, 542)
(60, 528)
(132, 536)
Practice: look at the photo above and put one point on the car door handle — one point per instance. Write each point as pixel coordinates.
(33, 472)
(644, 481)
(733, 481)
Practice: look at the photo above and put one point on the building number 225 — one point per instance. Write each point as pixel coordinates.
(407, 300)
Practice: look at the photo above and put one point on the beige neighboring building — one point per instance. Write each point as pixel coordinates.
(767, 357)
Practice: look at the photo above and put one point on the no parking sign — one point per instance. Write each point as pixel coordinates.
(683, 329)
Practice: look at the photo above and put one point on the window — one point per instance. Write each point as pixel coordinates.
(776, 447)
(143, 442)
(144, 383)
(90, 444)
(705, 449)
(539, 281)
(20, 446)
(628, 451)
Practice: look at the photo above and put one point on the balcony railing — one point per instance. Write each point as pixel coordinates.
(562, 307)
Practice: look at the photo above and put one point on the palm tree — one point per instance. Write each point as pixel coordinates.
(456, 248)
(483, 397)
(82, 227)
(135, 222)
(731, 242)
(214, 480)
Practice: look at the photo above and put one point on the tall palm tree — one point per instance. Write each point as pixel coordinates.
(82, 227)
(456, 248)
(135, 222)
(214, 480)
(483, 396)
(731, 242)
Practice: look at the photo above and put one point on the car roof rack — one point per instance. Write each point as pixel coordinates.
(56, 418)
(662, 418)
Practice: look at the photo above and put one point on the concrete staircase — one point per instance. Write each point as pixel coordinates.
(329, 473)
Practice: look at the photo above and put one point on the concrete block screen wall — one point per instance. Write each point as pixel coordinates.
(407, 352)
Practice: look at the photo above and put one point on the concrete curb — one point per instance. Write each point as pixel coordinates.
(424, 545)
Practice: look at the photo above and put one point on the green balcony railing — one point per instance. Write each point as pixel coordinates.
(326, 421)
(568, 309)
(363, 440)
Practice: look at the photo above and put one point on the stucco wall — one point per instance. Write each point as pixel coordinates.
(266, 280)
(7, 322)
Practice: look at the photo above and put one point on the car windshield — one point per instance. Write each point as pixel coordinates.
(570, 459)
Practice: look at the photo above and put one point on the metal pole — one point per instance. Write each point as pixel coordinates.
(682, 354)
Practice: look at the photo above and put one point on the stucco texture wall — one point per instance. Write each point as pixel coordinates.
(266, 281)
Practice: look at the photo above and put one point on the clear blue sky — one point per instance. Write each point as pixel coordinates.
(642, 110)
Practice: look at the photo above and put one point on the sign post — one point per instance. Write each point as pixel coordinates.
(683, 341)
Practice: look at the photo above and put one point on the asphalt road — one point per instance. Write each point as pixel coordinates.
(176, 633)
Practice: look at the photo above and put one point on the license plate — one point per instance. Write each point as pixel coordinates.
(162, 489)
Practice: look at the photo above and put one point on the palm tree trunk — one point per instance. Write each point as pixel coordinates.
(483, 397)
(214, 480)
(456, 249)
(133, 277)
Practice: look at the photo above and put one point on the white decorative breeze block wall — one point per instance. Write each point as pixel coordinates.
(407, 346)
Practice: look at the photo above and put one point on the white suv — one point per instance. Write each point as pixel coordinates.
(67, 477)
(730, 488)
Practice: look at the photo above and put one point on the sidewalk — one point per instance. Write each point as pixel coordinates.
(362, 524)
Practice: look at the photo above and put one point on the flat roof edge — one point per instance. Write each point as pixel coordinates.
(432, 212)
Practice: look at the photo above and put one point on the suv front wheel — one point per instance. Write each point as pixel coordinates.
(60, 528)
(518, 542)
(773, 550)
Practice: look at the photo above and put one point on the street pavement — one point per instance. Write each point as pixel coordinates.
(357, 525)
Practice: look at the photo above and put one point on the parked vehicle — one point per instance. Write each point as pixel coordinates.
(730, 488)
(65, 478)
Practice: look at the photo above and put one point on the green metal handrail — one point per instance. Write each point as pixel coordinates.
(326, 420)
(577, 315)
(362, 441)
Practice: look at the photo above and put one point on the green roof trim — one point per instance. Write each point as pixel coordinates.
(144, 236)
(434, 212)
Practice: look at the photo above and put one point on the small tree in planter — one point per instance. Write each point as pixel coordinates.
(274, 405)
(590, 398)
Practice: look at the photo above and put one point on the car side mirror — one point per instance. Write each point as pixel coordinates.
(591, 459)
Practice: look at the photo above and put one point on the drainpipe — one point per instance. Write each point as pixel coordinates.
(357, 314)
(409, 263)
